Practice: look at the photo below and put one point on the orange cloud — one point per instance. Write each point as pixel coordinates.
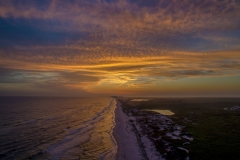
(123, 46)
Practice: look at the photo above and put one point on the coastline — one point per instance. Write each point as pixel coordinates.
(127, 145)
(130, 143)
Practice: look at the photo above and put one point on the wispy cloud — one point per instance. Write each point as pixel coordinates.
(117, 44)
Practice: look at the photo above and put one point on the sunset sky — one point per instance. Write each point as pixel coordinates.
(120, 47)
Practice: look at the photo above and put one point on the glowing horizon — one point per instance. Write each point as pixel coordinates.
(120, 47)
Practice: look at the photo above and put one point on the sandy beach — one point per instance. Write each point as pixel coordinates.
(126, 140)
(131, 145)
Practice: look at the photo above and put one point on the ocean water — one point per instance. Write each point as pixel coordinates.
(57, 128)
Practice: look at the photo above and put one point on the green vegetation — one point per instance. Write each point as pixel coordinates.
(216, 131)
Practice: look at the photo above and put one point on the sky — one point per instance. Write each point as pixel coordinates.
(120, 47)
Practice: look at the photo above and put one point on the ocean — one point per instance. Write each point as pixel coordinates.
(57, 128)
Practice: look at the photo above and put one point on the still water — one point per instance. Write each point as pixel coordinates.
(57, 128)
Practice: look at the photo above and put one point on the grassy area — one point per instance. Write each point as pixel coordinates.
(216, 131)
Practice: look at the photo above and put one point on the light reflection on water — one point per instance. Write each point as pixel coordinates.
(163, 112)
(57, 128)
(139, 100)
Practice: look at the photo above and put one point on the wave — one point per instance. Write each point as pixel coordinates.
(75, 128)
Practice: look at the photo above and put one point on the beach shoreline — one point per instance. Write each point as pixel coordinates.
(127, 147)
(130, 143)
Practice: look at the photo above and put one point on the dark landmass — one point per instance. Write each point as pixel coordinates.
(201, 128)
